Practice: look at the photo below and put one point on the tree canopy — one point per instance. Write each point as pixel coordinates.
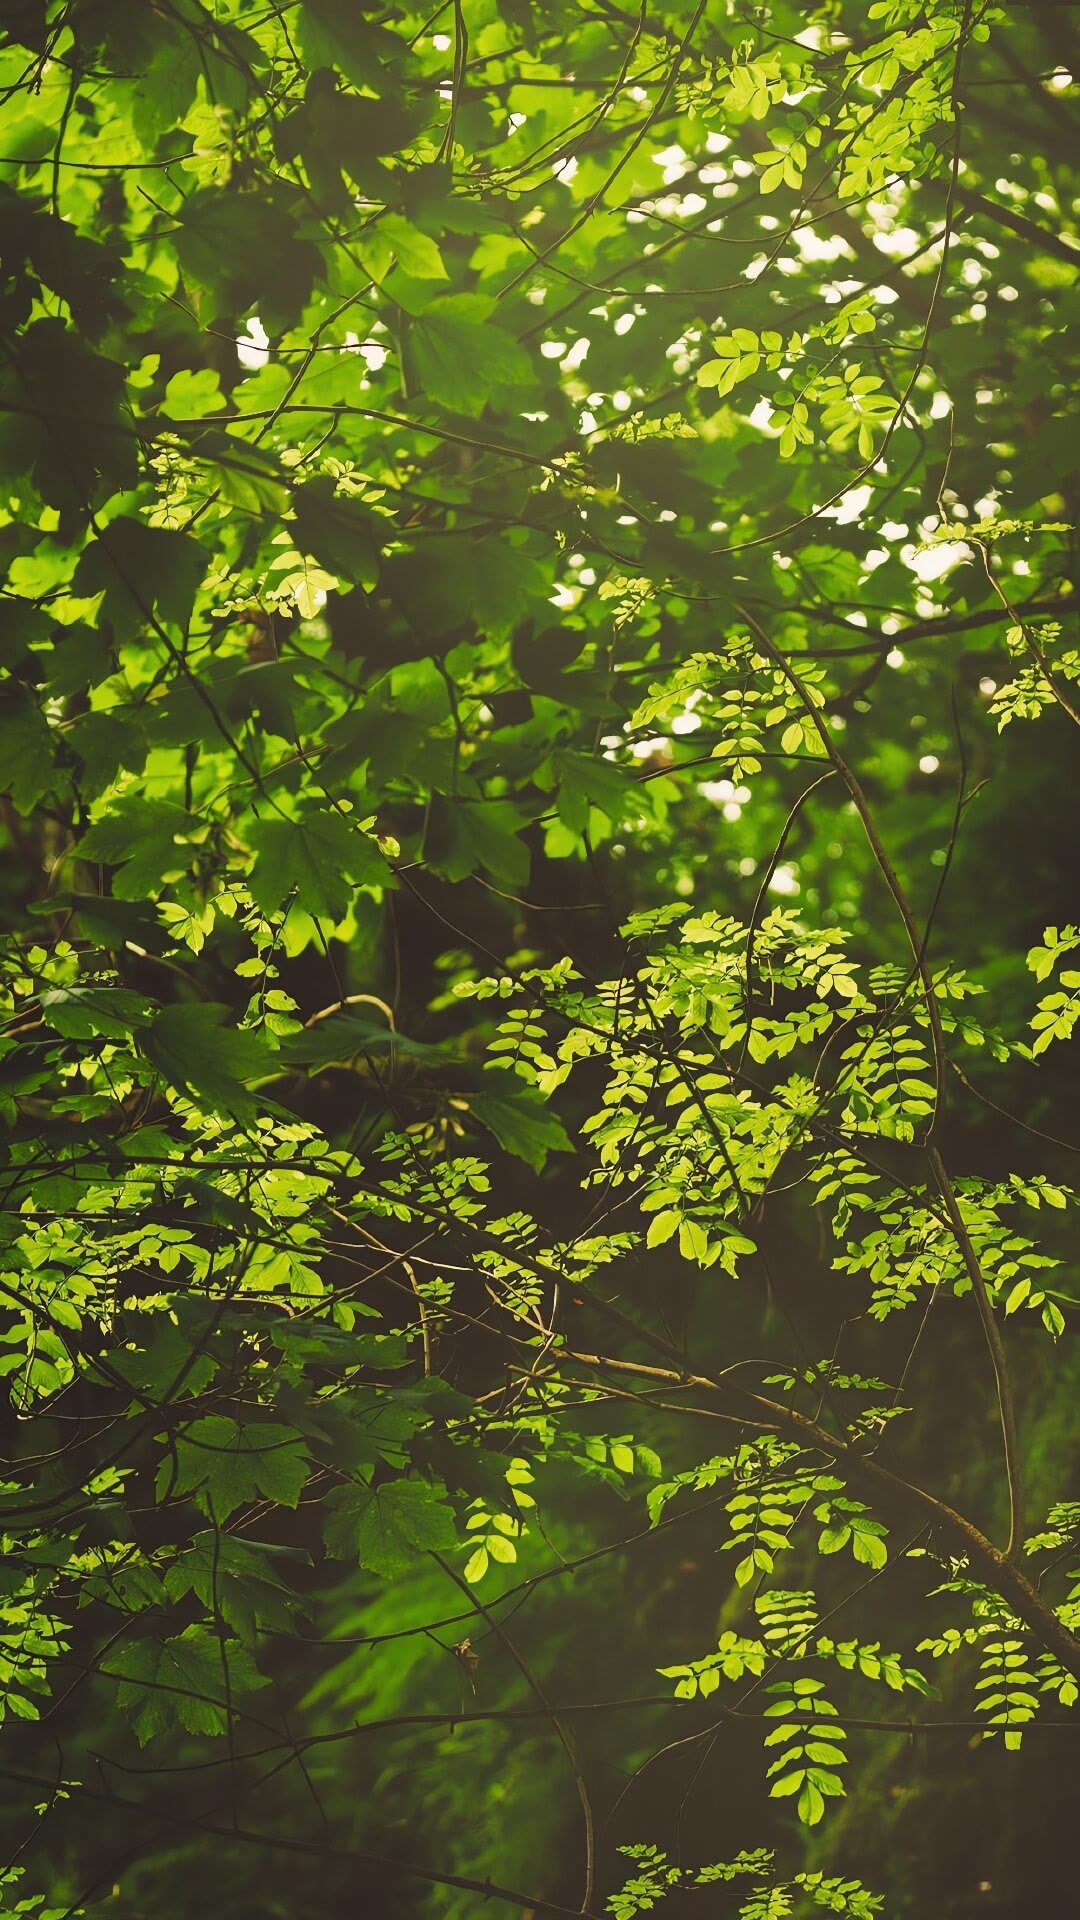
(537, 1268)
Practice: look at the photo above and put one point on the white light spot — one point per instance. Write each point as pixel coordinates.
(936, 561)
(987, 686)
(673, 162)
(814, 246)
(553, 349)
(900, 241)
(894, 657)
(252, 346)
(850, 506)
(784, 880)
(929, 763)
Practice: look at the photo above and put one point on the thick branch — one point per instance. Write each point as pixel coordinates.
(1041, 237)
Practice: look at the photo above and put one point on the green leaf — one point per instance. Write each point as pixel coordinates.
(80, 1012)
(141, 838)
(243, 249)
(225, 1466)
(181, 1680)
(192, 393)
(416, 253)
(584, 782)
(461, 356)
(387, 1528)
(142, 572)
(833, 1539)
(338, 531)
(662, 1227)
(868, 1548)
(520, 1120)
(322, 857)
(26, 750)
(335, 33)
(811, 1804)
(197, 1052)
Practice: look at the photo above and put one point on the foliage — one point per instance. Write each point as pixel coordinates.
(539, 673)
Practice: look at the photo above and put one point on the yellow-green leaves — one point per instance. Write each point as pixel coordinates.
(492, 1531)
(738, 357)
(812, 1743)
(784, 166)
(752, 84)
(734, 1657)
(1058, 1012)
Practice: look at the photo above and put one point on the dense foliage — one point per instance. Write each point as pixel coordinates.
(537, 1275)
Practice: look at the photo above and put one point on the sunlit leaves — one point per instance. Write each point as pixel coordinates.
(446, 1003)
